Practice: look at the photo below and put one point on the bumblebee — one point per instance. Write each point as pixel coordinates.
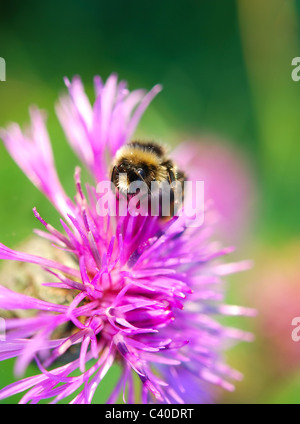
(149, 163)
(144, 161)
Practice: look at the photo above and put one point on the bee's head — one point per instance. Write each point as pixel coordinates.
(126, 172)
(138, 162)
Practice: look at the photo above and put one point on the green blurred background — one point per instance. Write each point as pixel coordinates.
(225, 67)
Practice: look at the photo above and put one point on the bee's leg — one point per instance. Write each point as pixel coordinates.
(115, 171)
(171, 176)
(172, 179)
(169, 166)
(174, 176)
(177, 198)
(114, 179)
(181, 177)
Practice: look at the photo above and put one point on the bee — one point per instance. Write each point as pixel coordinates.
(147, 162)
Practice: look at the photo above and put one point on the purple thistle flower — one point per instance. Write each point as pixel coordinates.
(144, 293)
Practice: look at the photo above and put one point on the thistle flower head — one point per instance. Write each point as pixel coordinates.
(138, 291)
